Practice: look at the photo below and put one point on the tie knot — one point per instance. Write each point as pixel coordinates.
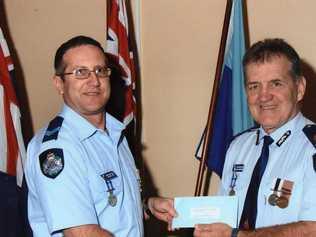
(267, 140)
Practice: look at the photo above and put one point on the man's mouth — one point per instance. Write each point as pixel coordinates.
(267, 107)
(92, 93)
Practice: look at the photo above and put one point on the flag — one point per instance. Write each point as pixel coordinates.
(231, 111)
(12, 147)
(120, 54)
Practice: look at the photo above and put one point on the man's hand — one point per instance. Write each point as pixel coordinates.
(212, 230)
(162, 209)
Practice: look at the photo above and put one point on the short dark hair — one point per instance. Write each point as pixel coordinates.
(76, 41)
(263, 51)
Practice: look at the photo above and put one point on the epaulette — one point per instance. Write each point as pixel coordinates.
(252, 129)
(310, 132)
(53, 129)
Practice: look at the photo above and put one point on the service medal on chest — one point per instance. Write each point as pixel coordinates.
(273, 199)
(112, 200)
(282, 202)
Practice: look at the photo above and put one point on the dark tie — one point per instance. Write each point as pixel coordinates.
(249, 213)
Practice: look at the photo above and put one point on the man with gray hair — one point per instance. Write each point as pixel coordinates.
(271, 168)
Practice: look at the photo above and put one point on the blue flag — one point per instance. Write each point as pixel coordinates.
(231, 112)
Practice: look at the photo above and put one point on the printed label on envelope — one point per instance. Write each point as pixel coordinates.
(205, 210)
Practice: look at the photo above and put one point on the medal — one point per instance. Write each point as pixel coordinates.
(232, 192)
(281, 193)
(282, 202)
(273, 199)
(108, 177)
(112, 200)
(237, 168)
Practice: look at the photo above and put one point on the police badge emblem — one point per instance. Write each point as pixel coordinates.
(52, 162)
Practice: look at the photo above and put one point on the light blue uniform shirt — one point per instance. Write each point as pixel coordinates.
(79, 195)
(290, 160)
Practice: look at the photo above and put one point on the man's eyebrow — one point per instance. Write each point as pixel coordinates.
(252, 82)
(278, 80)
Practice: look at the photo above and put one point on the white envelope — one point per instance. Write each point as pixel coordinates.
(205, 210)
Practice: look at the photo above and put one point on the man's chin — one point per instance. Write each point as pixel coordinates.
(269, 129)
(267, 123)
(94, 110)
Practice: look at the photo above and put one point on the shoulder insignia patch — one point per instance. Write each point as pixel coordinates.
(310, 132)
(52, 162)
(53, 129)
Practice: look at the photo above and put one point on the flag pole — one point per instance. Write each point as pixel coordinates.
(209, 125)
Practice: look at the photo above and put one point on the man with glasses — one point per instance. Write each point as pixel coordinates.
(80, 172)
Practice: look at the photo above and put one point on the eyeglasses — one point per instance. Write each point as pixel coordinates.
(84, 73)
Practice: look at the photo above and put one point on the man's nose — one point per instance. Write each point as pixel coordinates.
(94, 78)
(265, 93)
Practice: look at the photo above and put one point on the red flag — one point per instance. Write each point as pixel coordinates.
(12, 145)
(119, 49)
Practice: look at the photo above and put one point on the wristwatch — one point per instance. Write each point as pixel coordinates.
(146, 208)
(235, 232)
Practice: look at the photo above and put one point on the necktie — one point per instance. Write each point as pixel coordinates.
(249, 214)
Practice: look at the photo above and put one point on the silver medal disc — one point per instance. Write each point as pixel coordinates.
(273, 199)
(112, 200)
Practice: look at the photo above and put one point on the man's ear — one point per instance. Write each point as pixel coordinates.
(59, 84)
(301, 87)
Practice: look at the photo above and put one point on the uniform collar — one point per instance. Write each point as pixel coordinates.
(114, 128)
(281, 134)
(84, 129)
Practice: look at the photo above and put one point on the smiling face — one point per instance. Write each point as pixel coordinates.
(85, 96)
(273, 95)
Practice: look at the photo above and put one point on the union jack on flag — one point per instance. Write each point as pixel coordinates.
(12, 150)
(119, 50)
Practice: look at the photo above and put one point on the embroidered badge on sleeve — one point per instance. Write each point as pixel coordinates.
(52, 162)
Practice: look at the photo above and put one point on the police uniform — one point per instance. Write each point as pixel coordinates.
(78, 174)
(290, 175)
